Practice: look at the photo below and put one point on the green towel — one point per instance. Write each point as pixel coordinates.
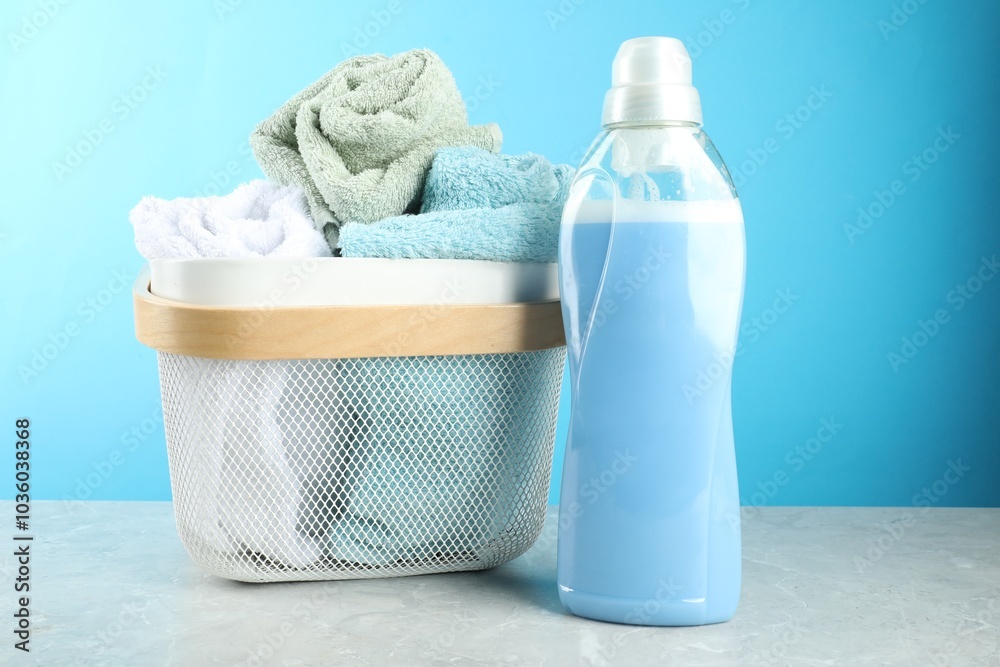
(361, 139)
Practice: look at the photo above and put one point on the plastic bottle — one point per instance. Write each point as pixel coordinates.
(651, 263)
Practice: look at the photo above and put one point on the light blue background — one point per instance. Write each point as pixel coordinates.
(546, 67)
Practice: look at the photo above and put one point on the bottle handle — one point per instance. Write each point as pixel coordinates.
(598, 174)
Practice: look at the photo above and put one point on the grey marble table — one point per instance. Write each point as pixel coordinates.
(112, 585)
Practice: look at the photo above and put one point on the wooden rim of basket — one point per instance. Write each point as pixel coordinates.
(330, 332)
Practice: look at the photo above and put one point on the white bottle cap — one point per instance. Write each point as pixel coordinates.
(651, 81)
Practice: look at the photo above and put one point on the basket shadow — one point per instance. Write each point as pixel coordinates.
(527, 585)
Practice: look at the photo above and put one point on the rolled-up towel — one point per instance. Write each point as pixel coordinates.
(257, 219)
(360, 140)
(476, 205)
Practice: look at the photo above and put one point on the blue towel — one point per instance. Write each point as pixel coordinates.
(439, 462)
(475, 205)
(439, 458)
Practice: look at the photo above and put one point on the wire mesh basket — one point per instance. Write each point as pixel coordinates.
(314, 465)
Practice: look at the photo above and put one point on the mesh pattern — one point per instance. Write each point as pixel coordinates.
(356, 468)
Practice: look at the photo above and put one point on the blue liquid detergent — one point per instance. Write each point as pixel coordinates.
(649, 510)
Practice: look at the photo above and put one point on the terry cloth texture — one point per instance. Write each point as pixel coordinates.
(476, 205)
(360, 140)
(257, 219)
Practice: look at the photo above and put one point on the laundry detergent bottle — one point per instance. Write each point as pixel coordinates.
(651, 263)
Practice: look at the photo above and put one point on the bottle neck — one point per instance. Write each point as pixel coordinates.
(651, 102)
(649, 124)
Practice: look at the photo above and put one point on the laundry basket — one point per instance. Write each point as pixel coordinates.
(311, 442)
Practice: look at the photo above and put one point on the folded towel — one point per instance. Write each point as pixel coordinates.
(257, 219)
(437, 456)
(247, 504)
(276, 460)
(361, 139)
(320, 432)
(466, 177)
(476, 205)
(434, 488)
(263, 502)
(514, 233)
(259, 494)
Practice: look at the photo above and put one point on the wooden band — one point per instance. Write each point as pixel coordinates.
(331, 332)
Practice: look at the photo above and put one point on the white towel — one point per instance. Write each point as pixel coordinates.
(257, 219)
(264, 452)
(278, 450)
(259, 494)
